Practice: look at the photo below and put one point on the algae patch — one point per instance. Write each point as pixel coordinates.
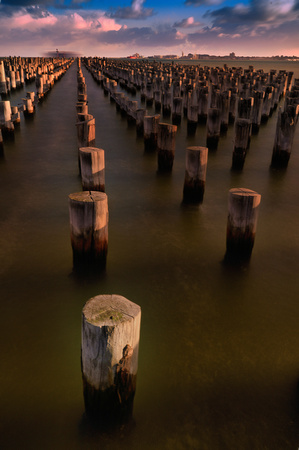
(104, 316)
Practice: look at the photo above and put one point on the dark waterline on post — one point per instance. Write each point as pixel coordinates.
(218, 357)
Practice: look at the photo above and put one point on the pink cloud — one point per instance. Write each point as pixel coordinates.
(179, 35)
(96, 24)
(28, 22)
(79, 23)
(93, 23)
(108, 24)
(233, 36)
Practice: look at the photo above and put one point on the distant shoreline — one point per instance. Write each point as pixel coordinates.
(241, 58)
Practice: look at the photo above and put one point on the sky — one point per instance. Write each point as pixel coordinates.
(119, 28)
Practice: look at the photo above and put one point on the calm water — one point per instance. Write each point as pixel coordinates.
(219, 349)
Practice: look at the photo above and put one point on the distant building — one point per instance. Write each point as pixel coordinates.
(135, 56)
(231, 56)
(189, 56)
(170, 57)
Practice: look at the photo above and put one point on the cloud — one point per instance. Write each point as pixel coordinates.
(107, 24)
(84, 31)
(232, 36)
(261, 27)
(180, 35)
(32, 24)
(186, 23)
(36, 12)
(254, 18)
(143, 37)
(135, 11)
(31, 19)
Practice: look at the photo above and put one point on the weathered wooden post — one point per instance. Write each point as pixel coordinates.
(1, 145)
(29, 104)
(82, 108)
(31, 95)
(3, 86)
(18, 79)
(192, 112)
(245, 108)
(142, 92)
(257, 110)
(215, 100)
(6, 123)
(158, 100)
(5, 111)
(81, 86)
(99, 77)
(245, 111)
(233, 106)
(149, 94)
(166, 103)
(192, 119)
(39, 86)
(177, 109)
(132, 106)
(85, 130)
(203, 102)
(284, 136)
(166, 146)
(112, 89)
(266, 105)
(242, 135)
(140, 114)
(225, 97)
(82, 98)
(245, 90)
(22, 81)
(15, 115)
(88, 212)
(176, 88)
(8, 84)
(213, 128)
(241, 223)
(118, 98)
(195, 174)
(106, 86)
(28, 107)
(275, 97)
(124, 105)
(92, 164)
(290, 80)
(110, 337)
(185, 90)
(151, 132)
(12, 76)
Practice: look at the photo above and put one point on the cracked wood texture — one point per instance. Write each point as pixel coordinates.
(109, 356)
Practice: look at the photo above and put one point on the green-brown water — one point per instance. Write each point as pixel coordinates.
(219, 349)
